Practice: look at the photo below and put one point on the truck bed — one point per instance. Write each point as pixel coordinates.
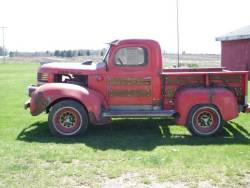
(176, 79)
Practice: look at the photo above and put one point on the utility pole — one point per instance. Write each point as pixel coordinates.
(178, 39)
(3, 42)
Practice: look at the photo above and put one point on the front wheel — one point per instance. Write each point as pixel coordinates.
(204, 120)
(68, 118)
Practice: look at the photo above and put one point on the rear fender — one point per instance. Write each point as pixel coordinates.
(48, 94)
(222, 98)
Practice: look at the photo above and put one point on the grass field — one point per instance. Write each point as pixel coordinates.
(132, 153)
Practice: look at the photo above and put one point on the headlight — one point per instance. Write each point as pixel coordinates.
(31, 89)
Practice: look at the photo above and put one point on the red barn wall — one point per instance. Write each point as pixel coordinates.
(235, 54)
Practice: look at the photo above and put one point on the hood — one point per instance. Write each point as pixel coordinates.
(72, 68)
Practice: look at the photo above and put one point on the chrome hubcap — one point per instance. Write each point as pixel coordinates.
(67, 120)
(205, 119)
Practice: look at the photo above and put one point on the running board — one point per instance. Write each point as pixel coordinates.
(139, 113)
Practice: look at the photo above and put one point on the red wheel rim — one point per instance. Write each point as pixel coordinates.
(67, 120)
(206, 120)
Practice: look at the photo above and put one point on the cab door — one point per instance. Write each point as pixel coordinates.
(129, 81)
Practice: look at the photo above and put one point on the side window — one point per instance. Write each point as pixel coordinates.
(131, 56)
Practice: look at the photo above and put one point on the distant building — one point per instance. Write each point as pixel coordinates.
(235, 49)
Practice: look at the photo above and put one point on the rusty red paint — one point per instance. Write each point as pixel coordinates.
(223, 99)
(49, 93)
(146, 85)
(38, 103)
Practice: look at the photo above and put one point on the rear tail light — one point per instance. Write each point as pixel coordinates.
(42, 77)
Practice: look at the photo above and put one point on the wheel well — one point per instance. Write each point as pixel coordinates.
(205, 104)
(63, 99)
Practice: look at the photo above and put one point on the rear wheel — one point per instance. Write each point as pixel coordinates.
(204, 120)
(68, 118)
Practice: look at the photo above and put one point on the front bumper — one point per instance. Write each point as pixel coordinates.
(30, 91)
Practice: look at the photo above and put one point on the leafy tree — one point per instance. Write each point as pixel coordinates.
(2, 51)
(57, 53)
(69, 53)
(102, 53)
(74, 53)
(80, 53)
(88, 53)
(11, 54)
(63, 53)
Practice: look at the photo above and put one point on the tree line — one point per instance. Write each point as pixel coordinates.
(3, 51)
(57, 53)
(73, 53)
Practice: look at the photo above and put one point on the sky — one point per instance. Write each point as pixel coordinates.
(39, 25)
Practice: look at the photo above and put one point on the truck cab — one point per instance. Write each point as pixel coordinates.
(130, 82)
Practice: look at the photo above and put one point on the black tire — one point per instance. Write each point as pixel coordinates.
(204, 120)
(68, 118)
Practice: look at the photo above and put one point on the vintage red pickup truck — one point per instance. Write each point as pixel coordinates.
(130, 82)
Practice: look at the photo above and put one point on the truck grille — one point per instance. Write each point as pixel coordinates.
(42, 77)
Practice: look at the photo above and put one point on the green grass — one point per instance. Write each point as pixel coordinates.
(142, 151)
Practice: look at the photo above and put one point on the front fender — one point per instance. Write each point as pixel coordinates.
(222, 98)
(48, 94)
